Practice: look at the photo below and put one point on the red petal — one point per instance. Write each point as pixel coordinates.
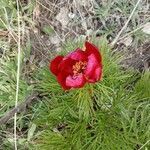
(61, 78)
(91, 65)
(92, 49)
(78, 55)
(97, 75)
(93, 70)
(66, 65)
(65, 68)
(75, 82)
(54, 64)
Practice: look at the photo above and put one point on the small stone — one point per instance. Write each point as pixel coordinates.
(146, 28)
(63, 17)
(127, 41)
(55, 40)
(71, 15)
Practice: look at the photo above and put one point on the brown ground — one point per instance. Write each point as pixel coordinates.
(57, 21)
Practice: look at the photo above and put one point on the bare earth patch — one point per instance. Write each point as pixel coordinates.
(58, 21)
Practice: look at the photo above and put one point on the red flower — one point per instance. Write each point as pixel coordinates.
(78, 67)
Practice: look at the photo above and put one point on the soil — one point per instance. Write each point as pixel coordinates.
(74, 20)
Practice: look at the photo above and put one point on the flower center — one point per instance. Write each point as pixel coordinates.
(79, 67)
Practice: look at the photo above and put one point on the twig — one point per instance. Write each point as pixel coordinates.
(45, 7)
(18, 72)
(128, 34)
(18, 109)
(144, 145)
(124, 27)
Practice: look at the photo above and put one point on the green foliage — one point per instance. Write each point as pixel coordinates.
(47, 30)
(8, 69)
(8, 77)
(142, 86)
(111, 114)
(8, 14)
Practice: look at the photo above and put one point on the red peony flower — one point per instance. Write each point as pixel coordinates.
(78, 67)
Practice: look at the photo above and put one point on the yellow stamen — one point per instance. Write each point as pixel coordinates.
(84, 48)
(79, 67)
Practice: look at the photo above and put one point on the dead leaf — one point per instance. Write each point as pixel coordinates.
(36, 12)
(84, 25)
(3, 33)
